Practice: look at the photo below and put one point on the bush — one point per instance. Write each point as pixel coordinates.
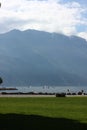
(79, 93)
(69, 94)
(60, 95)
(1, 81)
(73, 93)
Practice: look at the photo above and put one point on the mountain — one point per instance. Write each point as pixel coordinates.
(40, 58)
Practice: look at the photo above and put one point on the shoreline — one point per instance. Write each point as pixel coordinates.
(13, 93)
(24, 95)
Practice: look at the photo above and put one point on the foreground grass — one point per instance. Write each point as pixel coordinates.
(43, 113)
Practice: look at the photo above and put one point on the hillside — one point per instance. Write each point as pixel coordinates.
(39, 58)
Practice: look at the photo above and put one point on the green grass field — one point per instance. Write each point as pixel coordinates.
(68, 113)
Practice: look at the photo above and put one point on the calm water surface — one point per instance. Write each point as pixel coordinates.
(48, 89)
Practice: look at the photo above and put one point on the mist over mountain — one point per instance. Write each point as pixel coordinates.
(39, 58)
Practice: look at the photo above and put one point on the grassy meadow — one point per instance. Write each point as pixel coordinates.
(43, 113)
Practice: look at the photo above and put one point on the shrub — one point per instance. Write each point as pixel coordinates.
(60, 95)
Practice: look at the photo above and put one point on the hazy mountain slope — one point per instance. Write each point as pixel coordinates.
(40, 58)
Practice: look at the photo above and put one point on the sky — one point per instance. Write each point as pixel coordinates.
(68, 17)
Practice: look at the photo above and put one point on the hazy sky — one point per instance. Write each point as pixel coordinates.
(63, 16)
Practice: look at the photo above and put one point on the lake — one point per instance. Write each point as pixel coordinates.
(47, 89)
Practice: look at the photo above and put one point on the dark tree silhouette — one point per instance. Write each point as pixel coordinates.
(0, 4)
(1, 81)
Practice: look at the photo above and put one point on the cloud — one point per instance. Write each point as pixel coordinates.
(46, 15)
(83, 35)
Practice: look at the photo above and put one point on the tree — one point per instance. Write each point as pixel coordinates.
(0, 4)
(1, 81)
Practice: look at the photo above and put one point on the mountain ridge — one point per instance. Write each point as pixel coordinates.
(34, 57)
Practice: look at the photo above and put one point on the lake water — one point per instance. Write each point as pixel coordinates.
(48, 89)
